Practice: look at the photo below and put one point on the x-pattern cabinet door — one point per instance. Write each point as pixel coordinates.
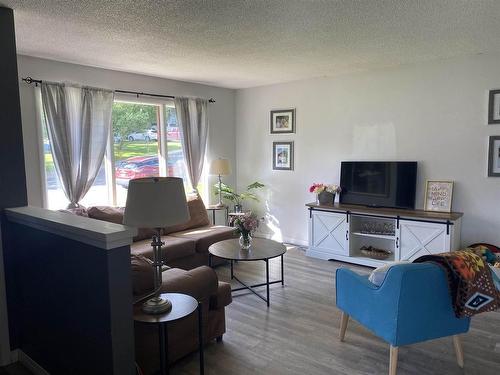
(330, 232)
(418, 238)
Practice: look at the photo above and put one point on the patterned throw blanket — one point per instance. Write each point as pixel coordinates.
(470, 281)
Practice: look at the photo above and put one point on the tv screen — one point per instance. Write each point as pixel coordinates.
(379, 183)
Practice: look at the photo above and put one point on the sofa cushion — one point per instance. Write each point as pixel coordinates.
(198, 216)
(206, 236)
(142, 275)
(174, 248)
(115, 215)
(200, 283)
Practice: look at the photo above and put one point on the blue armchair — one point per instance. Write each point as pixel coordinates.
(413, 304)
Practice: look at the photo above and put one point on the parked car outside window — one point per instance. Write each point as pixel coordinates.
(148, 166)
(148, 135)
(173, 133)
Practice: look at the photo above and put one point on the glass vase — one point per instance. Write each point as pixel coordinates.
(245, 241)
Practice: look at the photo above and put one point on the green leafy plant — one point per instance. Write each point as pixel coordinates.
(237, 198)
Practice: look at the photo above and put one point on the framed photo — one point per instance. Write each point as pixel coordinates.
(283, 121)
(494, 107)
(283, 156)
(438, 196)
(494, 156)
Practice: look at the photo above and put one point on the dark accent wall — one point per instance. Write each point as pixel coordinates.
(12, 174)
(69, 303)
(72, 303)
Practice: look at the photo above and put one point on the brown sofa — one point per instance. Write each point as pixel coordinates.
(200, 283)
(186, 244)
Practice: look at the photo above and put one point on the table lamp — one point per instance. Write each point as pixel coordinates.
(220, 167)
(155, 202)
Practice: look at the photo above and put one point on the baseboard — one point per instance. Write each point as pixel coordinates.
(287, 240)
(19, 356)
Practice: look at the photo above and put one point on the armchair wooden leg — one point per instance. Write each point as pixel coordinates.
(343, 325)
(459, 351)
(393, 360)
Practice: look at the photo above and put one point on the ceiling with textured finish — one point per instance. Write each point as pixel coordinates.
(238, 43)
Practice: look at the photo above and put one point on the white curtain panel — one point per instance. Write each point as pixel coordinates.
(78, 124)
(192, 118)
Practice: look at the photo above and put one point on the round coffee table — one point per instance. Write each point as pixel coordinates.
(182, 306)
(261, 250)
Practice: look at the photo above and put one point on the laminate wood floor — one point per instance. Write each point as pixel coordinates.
(298, 333)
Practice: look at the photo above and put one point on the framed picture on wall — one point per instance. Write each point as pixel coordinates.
(283, 121)
(494, 156)
(283, 156)
(494, 107)
(438, 196)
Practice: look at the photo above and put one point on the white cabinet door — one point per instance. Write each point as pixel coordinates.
(330, 232)
(419, 238)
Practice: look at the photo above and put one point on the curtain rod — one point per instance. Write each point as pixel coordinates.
(30, 80)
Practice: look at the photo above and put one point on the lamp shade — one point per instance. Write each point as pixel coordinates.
(220, 167)
(155, 202)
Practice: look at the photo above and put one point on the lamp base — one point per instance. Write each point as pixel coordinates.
(219, 205)
(157, 305)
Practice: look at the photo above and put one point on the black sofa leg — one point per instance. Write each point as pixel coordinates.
(219, 338)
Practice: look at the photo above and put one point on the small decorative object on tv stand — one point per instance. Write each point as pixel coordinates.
(339, 232)
(325, 194)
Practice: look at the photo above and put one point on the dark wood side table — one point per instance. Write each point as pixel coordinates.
(215, 208)
(182, 306)
(261, 249)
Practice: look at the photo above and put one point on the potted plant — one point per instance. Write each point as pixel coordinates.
(325, 193)
(245, 226)
(230, 194)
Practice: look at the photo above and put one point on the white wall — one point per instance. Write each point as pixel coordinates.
(222, 116)
(435, 113)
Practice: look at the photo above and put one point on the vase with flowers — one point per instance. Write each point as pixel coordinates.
(245, 226)
(325, 193)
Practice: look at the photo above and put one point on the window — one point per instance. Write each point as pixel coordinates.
(138, 147)
(135, 144)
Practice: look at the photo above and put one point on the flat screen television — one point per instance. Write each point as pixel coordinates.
(379, 183)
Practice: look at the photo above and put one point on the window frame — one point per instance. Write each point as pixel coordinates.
(109, 155)
(162, 141)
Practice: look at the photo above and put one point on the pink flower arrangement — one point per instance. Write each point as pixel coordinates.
(318, 188)
(246, 224)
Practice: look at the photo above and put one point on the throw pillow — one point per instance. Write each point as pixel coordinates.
(377, 276)
(106, 213)
(198, 216)
(115, 215)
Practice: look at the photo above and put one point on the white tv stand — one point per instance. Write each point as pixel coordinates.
(338, 231)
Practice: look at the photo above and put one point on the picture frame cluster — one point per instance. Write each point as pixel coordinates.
(494, 140)
(282, 121)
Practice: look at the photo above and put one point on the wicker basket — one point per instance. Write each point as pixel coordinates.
(375, 253)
